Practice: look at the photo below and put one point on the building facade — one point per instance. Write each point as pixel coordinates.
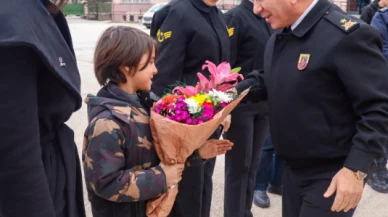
(133, 10)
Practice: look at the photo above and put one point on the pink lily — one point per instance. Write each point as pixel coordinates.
(188, 90)
(225, 87)
(204, 84)
(221, 74)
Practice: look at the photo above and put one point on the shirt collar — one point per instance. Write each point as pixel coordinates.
(321, 8)
(199, 4)
(300, 19)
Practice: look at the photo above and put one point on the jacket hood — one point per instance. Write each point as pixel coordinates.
(114, 99)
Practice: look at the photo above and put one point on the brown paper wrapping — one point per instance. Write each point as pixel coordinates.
(175, 142)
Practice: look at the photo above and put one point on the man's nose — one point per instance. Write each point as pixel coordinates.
(257, 8)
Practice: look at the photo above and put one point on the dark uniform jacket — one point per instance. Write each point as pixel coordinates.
(369, 11)
(188, 33)
(40, 89)
(380, 22)
(248, 34)
(327, 91)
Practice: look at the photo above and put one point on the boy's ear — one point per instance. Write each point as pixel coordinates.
(124, 70)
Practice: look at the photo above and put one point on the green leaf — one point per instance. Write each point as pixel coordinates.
(235, 70)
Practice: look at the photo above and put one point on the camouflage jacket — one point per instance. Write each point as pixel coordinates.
(120, 162)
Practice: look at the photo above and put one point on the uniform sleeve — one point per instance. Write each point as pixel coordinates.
(104, 161)
(157, 21)
(172, 41)
(364, 73)
(366, 15)
(379, 24)
(23, 184)
(255, 81)
(235, 36)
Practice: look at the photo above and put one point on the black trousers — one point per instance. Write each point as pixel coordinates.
(248, 133)
(303, 191)
(195, 189)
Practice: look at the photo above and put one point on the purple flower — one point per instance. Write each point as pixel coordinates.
(195, 121)
(181, 99)
(180, 105)
(189, 121)
(178, 112)
(178, 118)
(200, 121)
(185, 115)
(224, 104)
(208, 115)
(160, 106)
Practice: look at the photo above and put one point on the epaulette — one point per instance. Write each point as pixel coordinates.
(382, 10)
(342, 21)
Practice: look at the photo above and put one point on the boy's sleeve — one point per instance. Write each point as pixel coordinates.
(104, 161)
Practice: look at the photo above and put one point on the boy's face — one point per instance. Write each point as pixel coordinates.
(142, 79)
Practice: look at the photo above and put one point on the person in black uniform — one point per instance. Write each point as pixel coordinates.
(326, 82)
(189, 32)
(370, 10)
(248, 34)
(40, 89)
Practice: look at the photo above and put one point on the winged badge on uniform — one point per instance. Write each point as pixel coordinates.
(163, 35)
(347, 24)
(231, 31)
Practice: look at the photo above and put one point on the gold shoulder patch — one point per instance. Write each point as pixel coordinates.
(344, 22)
(231, 31)
(347, 24)
(163, 35)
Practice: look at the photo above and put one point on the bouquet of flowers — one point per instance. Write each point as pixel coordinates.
(183, 120)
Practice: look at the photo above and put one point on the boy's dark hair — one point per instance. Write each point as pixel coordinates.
(121, 46)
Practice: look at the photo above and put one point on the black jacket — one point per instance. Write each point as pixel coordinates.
(369, 11)
(248, 34)
(327, 87)
(188, 33)
(40, 89)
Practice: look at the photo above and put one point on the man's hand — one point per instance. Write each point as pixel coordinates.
(214, 147)
(226, 122)
(349, 190)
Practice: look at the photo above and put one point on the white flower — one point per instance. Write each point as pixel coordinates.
(192, 106)
(220, 96)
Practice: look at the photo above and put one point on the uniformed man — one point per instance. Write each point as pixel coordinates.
(327, 86)
(380, 22)
(379, 174)
(248, 34)
(370, 10)
(189, 32)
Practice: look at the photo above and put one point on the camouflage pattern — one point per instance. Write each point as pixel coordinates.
(120, 162)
